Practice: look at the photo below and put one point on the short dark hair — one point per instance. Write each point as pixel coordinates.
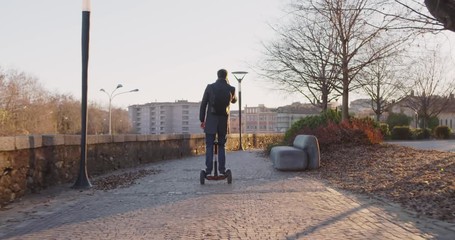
(222, 73)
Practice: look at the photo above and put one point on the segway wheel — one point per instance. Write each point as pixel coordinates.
(202, 177)
(229, 176)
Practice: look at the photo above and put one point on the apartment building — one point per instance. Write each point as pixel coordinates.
(258, 119)
(234, 123)
(362, 108)
(182, 117)
(288, 115)
(261, 119)
(179, 117)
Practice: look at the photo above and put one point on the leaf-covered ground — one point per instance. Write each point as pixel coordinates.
(420, 180)
(121, 180)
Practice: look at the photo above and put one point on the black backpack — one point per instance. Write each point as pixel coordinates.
(220, 97)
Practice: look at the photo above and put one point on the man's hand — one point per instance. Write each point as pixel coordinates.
(202, 125)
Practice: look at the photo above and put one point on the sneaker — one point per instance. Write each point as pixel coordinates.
(223, 172)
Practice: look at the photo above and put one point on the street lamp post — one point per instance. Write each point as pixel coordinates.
(82, 179)
(111, 96)
(239, 75)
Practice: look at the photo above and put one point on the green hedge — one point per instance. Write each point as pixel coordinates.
(312, 122)
(401, 133)
(442, 132)
(419, 133)
(397, 120)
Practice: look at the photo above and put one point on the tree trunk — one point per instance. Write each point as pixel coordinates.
(345, 103)
(378, 111)
(325, 99)
(378, 99)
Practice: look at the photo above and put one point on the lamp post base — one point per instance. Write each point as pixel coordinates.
(82, 182)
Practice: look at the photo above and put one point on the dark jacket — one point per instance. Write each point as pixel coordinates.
(215, 123)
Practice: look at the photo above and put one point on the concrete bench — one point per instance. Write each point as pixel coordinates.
(303, 154)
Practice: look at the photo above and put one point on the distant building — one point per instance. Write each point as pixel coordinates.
(165, 117)
(183, 117)
(361, 108)
(260, 119)
(287, 115)
(402, 107)
(234, 123)
(446, 116)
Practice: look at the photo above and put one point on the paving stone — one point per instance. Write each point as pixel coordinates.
(261, 203)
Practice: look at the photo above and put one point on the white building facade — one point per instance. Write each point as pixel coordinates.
(260, 119)
(180, 117)
(446, 117)
(288, 115)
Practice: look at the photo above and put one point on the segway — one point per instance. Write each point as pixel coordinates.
(216, 176)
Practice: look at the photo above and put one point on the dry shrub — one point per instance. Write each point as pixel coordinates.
(353, 132)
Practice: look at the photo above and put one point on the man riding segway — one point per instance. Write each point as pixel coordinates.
(214, 117)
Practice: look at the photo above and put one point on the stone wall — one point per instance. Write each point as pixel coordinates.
(31, 163)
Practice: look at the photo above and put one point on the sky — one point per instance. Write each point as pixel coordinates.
(169, 50)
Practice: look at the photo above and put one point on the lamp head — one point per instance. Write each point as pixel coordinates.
(86, 6)
(102, 90)
(239, 75)
(135, 90)
(119, 86)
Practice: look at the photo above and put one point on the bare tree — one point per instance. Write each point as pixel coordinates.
(302, 60)
(413, 15)
(120, 121)
(383, 82)
(431, 90)
(358, 26)
(66, 113)
(3, 112)
(27, 108)
(21, 103)
(426, 15)
(97, 119)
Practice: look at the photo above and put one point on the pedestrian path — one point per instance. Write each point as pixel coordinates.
(261, 203)
(440, 145)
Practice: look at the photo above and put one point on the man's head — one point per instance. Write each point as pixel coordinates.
(222, 74)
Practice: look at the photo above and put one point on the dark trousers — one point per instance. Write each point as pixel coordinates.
(209, 143)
